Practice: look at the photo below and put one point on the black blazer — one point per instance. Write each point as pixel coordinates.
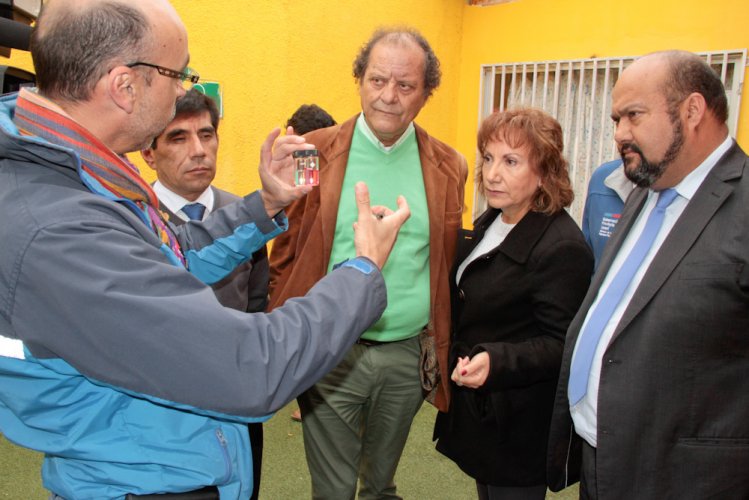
(673, 408)
(515, 302)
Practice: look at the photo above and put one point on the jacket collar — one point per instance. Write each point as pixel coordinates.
(520, 242)
(710, 196)
(28, 147)
(334, 148)
(339, 143)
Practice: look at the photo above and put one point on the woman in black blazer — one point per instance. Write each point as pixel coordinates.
(517, 282)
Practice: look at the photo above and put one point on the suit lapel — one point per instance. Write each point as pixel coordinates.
(435, 187)
(171, 216)
(331, 182)
(632, 208)
(468, 239)
(708, 198)
(219, 198)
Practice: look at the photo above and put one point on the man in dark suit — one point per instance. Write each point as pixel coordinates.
(653, 395)
(184, 158)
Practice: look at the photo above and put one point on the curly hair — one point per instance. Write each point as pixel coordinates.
(432, 72)
(309, 117)
(542, 134)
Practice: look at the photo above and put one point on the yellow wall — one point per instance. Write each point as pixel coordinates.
(539, 30)
(272, 56)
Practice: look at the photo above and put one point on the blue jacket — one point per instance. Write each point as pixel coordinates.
(123, 368)
(608, 189)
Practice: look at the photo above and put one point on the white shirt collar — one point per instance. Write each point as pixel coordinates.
(689, 184)
(362, 125)
(175, 202)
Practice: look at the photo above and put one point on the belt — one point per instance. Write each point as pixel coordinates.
(373, 343)
(207, 493)
(370, 343)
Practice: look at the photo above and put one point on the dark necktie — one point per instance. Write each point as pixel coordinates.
(588, 340)
(194, 211)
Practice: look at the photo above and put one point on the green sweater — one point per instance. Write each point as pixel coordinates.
(389, 174)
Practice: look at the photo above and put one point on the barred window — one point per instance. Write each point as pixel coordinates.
(578, 94)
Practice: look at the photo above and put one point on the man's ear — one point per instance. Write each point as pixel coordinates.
(147, 155)
(695, 107)
(121, 88)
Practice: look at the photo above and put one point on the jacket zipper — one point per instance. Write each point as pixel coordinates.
(224, 445)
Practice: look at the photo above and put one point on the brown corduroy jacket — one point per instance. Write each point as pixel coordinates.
(312, 222)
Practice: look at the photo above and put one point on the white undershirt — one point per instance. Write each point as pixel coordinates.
(175, 202)
(361, 122)
(585, 412)
(495, 234)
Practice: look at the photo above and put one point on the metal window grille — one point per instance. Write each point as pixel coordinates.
(578, 94)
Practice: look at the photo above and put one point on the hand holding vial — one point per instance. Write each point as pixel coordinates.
(277, 170)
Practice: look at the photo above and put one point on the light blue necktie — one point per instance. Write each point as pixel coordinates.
(588, 340)
(194, 211)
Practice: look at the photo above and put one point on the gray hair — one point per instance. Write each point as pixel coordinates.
(73, 48)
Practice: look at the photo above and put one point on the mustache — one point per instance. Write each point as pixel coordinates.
(629, 147)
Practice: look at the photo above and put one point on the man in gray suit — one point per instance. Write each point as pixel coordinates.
(184, 158)
(653, 395)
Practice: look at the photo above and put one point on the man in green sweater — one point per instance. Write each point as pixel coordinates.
(357, 418)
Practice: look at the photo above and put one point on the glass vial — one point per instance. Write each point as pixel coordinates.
(307, 165)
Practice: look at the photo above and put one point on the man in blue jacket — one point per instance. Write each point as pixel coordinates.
(608, 189)
(115, 362)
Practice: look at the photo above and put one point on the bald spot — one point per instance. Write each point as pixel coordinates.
(648, 71)
(659, 67)
(158, 12)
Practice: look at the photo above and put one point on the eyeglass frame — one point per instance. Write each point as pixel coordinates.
(188, 75)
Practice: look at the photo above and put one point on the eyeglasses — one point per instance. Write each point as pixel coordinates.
(188, 76)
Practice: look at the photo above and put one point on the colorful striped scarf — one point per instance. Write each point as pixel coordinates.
(102, 170)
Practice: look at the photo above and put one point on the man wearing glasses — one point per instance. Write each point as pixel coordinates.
(115, 362)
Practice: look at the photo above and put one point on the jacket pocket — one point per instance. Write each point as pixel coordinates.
(710, 468)
(710, 271)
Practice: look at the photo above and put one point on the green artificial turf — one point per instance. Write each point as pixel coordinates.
(423, 473)
(20, 476)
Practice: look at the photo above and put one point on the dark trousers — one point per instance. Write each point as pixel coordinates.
(489, 492)
(256, 444)
(588, 485)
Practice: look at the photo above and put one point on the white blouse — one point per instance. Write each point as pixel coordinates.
(493, 237)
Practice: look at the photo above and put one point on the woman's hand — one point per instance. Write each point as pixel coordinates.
(472, 372)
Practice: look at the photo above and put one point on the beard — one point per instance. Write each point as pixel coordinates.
(647, 172)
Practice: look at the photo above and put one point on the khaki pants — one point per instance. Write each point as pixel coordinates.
(356, 420)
